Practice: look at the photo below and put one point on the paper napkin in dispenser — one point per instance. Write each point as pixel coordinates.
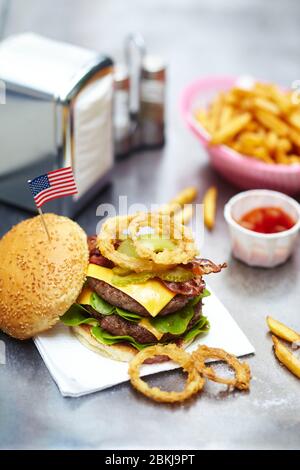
(58, 112)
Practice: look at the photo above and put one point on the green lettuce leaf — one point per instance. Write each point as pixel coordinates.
(202, 326)
(104, 337)
(205, 293)
(197, 299)
(134, 317)
(175, 323)
(100, 305)
(76, 315)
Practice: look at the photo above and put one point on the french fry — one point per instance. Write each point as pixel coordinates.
(170, 209)
(201, 117)
(288, 359)
(271, 141)
(246, 104)
(185, 215)
(293, 159)
(266, 105)
(261, 122)
(233, 127)
(294, 119)
(272, 122)
(270, 91)
(185, 196)
(251, 139)
(281, 330)
(252, 126)
(210, 207)
(226, 115)
(174, 206)
(215, 113)
(295, 137)
(282, 100)
(241, 93)
(284, 145)
(281, 157)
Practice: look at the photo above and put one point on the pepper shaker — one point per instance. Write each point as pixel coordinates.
(152, 105)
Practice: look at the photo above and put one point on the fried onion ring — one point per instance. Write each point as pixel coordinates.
(242, 377)
(112, 230)
(194, 381)
(167, 227)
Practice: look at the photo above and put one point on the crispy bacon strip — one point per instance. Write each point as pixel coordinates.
(201, 266)
(95, 255)
(189, 288)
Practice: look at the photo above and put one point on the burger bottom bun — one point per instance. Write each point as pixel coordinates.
(119, 352)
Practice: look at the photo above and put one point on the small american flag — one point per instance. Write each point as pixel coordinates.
(54, 184)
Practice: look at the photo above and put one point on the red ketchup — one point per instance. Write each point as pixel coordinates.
(267, 220)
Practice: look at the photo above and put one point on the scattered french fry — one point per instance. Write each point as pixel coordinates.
(282, 331)
(170, 209)
(177, 205)
(210, 207)
(185, 196)
(288, 359)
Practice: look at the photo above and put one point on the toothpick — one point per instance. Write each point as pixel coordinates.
(44, 223)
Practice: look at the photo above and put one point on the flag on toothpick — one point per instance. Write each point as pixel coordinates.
(54, 184)
(51, 185)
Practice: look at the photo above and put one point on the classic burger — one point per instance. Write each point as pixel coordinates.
(142, 287)
(138, 283)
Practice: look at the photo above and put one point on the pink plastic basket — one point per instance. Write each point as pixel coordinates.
(244, 172)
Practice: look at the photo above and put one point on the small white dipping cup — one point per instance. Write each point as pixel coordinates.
(260, 249)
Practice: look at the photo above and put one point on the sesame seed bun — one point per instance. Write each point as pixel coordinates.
(40, 278)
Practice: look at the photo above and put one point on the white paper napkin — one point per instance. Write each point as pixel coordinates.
(79, 371)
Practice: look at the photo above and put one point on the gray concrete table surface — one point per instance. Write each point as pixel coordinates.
(260, 38)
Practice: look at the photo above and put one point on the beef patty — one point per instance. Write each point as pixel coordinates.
(118, 326)
(118, 298)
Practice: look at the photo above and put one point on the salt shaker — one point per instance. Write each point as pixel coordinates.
(152, 101)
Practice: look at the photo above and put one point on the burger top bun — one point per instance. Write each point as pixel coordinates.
(40, 278)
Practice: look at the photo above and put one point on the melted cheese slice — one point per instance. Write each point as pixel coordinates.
(152, 294)
(145, 323)
(85, 299)
(85, 296)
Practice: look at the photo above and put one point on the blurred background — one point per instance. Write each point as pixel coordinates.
(195, 37)
(260, 37)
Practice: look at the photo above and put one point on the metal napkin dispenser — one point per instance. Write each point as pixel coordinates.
(57, 112)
